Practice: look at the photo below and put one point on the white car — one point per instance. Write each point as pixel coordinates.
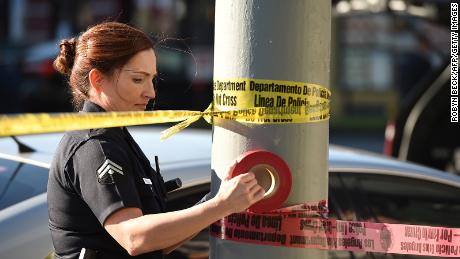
(362, 186)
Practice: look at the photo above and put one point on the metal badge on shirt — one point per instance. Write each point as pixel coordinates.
(147, 181)
(106, 171)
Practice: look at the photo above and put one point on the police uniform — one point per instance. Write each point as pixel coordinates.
(93, 174)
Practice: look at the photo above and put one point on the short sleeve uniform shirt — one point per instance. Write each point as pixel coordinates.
(93, 174)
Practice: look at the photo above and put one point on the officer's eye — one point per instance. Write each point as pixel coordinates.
(137, 80)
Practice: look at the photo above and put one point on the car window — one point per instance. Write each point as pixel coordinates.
(7, 170)
(391, 199)
(19, 181)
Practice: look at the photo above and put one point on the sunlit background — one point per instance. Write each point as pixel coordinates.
(385, 53)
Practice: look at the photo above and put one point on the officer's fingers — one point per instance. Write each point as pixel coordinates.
(238, 178)
(250, 185)
(254, 188)
(246, 177)
(257, 193)
(229, 170)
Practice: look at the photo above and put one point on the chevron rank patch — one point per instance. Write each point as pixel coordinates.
(106, 171)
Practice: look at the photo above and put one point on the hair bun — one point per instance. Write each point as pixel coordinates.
(64, 61)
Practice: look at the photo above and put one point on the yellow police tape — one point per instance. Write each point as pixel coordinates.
(276, 94)
(243, 100)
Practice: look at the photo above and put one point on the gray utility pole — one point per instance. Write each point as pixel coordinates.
(276, 40)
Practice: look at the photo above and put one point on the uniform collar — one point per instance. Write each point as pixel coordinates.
(89, 106)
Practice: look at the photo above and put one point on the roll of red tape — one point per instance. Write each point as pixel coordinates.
(273, 167)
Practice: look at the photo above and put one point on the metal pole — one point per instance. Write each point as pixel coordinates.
(278, 40)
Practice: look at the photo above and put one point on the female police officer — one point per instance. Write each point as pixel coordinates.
(103, 194)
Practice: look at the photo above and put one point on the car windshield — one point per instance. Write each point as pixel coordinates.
(19, 181)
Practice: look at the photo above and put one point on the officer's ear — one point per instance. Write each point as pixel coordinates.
(96, 79)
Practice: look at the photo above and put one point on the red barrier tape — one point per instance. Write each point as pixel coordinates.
(302, 227)
(248, 160)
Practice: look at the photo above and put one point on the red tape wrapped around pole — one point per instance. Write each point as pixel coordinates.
(307, 226)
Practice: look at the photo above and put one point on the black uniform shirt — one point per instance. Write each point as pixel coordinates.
(94, 173)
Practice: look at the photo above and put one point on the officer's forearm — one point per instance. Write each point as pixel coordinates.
(158, 231)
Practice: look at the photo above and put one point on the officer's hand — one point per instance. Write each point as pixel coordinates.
(240, 192)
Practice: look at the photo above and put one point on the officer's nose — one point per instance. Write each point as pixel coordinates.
(150, 92)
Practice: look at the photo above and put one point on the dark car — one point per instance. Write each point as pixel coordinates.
(422, 132)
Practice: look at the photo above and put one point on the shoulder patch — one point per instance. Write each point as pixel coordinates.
(106, 171)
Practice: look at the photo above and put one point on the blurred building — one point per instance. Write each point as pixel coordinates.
(381, 50)
(379, 59)
(30, 31)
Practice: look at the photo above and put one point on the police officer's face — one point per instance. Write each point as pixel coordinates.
(131, 87)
